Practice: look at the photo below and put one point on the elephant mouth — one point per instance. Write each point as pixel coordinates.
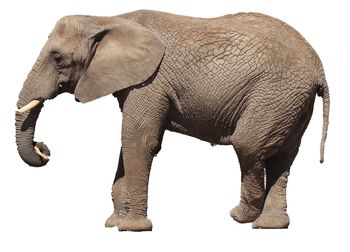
(30, 106)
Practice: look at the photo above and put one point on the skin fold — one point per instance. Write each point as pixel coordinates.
(246, 80)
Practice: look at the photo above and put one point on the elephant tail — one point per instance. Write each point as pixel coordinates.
(324, 92)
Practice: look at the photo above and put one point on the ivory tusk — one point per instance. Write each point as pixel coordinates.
(38, 151)
(29, 106)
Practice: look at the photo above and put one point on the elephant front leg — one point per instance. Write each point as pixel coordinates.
(144, 116)
(130, 191)
(119, 195)
(137, 161)
(140, 143)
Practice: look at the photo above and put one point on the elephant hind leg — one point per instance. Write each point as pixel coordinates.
(254, 140)
(252, 182)
(252, 194)
(274, 214)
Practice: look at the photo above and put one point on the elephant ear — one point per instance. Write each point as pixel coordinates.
(122, 56)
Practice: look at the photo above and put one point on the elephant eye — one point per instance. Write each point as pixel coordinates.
(58, 59)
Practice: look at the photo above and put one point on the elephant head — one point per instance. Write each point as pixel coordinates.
(89, 57)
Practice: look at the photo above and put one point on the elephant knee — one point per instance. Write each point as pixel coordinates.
(145, 146)
(152, 145)
(247, 149)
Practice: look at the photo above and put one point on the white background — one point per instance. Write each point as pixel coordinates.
(63, 206)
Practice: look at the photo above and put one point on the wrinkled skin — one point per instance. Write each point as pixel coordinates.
(246, 80)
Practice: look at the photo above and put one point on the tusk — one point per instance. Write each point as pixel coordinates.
(29, 106)
(38, 151)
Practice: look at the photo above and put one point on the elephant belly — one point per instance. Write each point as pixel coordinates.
(206, 122)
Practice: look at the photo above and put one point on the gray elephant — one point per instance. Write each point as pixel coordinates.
(246, 80)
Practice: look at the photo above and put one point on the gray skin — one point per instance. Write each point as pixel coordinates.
(246, 80)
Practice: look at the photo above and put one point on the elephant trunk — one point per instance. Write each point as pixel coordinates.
(34, 154)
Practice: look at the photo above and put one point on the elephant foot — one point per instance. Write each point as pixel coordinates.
(244, 214)
(136, 223)
(112, 221)
(270, 219)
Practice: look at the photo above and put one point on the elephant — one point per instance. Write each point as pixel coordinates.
(247, 80)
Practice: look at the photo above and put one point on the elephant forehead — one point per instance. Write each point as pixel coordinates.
(65, 27)
(64, 38)
(62, 30)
